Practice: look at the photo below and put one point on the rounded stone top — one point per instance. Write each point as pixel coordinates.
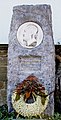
(30, 34)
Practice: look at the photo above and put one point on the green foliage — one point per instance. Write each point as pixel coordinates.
(56, 116)
(4, 115)
(17, 97)
(43, 100)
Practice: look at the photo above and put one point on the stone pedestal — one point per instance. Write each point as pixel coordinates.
(40, 60)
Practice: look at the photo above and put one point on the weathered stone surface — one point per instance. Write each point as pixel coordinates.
(3, 97)
(3, 74)
(44, 69)
(2, 84)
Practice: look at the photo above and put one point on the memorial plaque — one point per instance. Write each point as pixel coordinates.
(30, 34)
(26, 63)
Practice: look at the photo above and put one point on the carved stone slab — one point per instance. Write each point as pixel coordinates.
(30, 34)
(35, 55)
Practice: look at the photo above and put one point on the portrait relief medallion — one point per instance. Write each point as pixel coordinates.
(30, 34)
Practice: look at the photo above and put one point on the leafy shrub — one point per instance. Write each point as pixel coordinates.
(4, 115)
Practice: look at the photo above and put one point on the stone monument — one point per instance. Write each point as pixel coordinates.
(31, 55)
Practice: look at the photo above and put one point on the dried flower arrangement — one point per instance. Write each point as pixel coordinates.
(30, 97)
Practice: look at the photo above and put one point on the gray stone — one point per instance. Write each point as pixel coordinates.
(40, 60)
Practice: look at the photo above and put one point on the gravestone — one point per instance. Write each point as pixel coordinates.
(31, 50)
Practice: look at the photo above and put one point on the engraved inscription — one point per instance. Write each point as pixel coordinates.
(30, 63)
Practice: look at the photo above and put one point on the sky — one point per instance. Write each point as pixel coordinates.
(6, 11)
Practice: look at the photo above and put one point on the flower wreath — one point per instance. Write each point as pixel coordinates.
(30, 98)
